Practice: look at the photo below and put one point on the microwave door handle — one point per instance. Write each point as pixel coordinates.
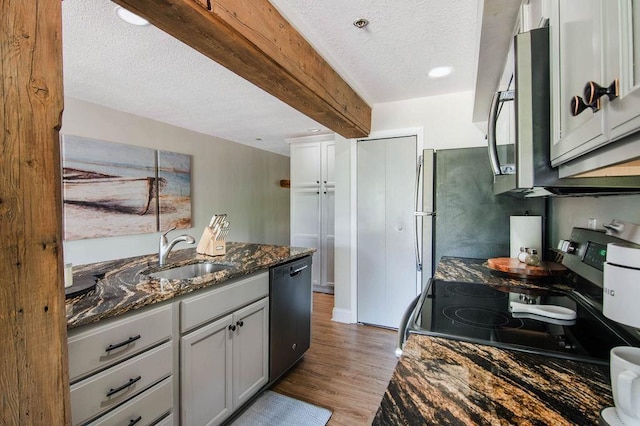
(491, 134)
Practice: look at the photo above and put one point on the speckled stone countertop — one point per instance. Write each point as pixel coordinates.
(125, 287)
(446, 382)
(476, 271)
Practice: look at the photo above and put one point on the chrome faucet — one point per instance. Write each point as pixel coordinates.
(165, 246)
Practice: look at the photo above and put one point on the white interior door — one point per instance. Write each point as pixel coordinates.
(385, 204)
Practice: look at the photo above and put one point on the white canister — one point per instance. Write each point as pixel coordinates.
(68, 275)
(524, 231)
(622, 284)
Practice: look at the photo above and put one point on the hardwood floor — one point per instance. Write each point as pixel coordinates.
(346, 370)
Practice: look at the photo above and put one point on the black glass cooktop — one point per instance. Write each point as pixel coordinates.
(481, 313)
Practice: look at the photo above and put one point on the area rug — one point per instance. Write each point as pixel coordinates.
(272, 408)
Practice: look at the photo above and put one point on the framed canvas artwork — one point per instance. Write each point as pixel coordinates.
(111, 189)
(174, 176)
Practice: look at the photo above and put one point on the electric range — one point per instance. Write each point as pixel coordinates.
(480, 312)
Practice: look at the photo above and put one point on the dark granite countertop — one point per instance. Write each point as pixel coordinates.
(446, 382)
(124, 287)
(469, 270)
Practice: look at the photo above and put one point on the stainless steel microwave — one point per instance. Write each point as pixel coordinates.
(528, 172)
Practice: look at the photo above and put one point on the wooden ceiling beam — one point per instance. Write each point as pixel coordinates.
(252, 39)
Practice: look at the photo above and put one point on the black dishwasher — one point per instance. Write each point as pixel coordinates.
(290, 312)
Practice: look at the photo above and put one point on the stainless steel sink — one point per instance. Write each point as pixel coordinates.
(191, 270)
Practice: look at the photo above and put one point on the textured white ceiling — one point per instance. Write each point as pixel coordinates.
(389, 59)
(142, 70)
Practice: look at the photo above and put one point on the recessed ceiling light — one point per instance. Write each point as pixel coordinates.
(439, 72)
(360, 23)
(313, 130)
(258, 139)
(130, 18)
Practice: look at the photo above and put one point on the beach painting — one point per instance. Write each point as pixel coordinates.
(175, 196)
(109, 189)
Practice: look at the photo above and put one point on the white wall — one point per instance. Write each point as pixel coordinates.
(344, 250)
(445, 119)
(445, 122)
(227, 177)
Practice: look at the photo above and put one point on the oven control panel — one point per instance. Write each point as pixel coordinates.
(595, 255)
(586, 252)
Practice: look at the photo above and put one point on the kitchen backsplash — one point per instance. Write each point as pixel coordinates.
(565, 213)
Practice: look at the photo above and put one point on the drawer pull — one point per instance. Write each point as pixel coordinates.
(123, 387)
(121, 344)
(134, 421)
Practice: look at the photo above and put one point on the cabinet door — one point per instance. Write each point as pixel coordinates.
(576, 46)
(328, 238)
(305, 224)
(250, 350)
(328, 163)
(305, 164)
(205, 375)
(622, 62)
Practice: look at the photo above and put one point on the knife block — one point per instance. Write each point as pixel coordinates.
(209, 246)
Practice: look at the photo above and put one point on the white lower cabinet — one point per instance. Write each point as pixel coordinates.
(205, 368)
(226, 361)
(124, 371)
(145, 409)
(121, 369)
(250, 359)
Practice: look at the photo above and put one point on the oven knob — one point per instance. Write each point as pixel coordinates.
(567, 246)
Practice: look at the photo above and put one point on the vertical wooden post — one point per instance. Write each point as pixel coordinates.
(33, 353)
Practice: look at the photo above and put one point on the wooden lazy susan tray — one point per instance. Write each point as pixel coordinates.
(516, 268)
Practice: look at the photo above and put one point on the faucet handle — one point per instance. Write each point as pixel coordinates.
(164, 234)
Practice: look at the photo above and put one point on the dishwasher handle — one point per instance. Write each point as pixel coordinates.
(297, 271)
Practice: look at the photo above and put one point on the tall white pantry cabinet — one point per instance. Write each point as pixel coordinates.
(312, 204)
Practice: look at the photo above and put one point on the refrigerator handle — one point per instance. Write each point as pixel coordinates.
(417, 217)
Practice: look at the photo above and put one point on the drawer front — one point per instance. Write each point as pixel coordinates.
(88, 345)
(167, 421)
(142, 410)
(200, 309)
(108, 389)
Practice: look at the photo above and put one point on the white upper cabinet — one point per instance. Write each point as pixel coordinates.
(312, 204)
(576, 46)
(622, 63)
(594, 45)
(306, 169)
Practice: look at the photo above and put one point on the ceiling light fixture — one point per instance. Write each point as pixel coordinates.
(313, 130)
(130, 18)
(439, 72)
(258, 139)
(360, 23)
